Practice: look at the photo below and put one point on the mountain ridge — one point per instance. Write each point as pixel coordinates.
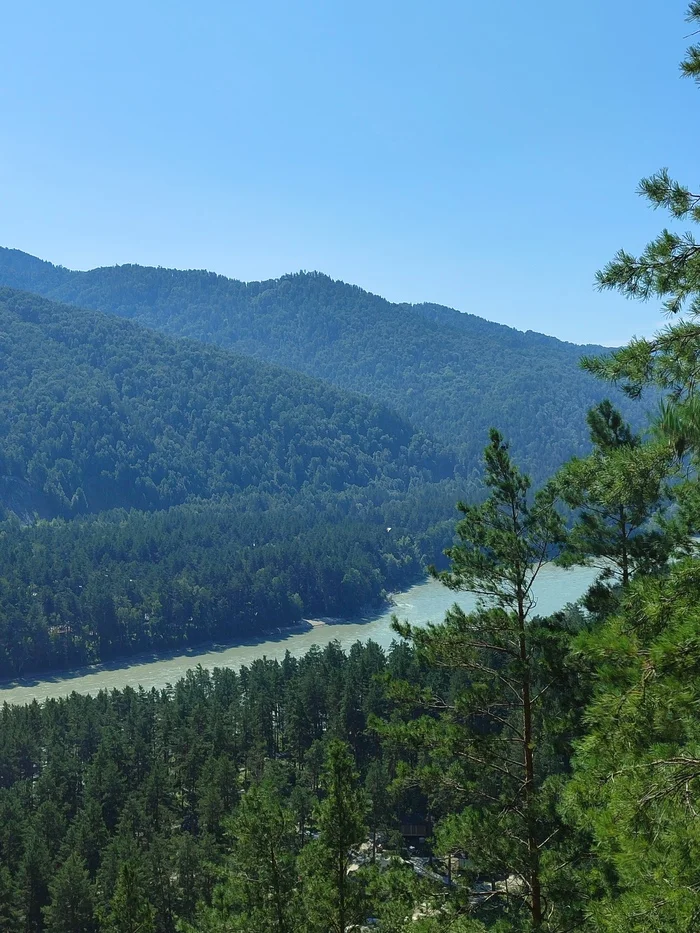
(430, 310)
(451, 374)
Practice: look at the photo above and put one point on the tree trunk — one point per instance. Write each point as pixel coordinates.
(624, 554)
(529, 764)
(341, 895)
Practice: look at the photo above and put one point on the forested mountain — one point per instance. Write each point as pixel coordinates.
(453, 375)
(495, 772)
(241, 495)
(97, 412)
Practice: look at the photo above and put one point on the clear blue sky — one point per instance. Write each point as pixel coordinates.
(478, 154)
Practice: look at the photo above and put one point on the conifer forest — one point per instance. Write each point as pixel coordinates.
(186, 459)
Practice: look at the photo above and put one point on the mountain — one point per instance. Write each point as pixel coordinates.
(191, 493)
(98, 412)
(452, 374)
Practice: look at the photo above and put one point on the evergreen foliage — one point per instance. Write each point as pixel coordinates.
(259, 893)
(99, 413)
(333, 900)
(492, 760)
(552, 763)
(72, 901)
(103, 587)
(615, 493)
(452, 375)
(667, 269)
(151, 811)
(636, 784)
(635, 771)
(261, 494)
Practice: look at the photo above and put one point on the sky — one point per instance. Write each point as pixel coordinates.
(480, 155)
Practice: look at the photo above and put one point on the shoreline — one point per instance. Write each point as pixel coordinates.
(245, 640)
(420, 603)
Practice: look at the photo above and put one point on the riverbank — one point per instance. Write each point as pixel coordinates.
(419, 604)
(208, 648)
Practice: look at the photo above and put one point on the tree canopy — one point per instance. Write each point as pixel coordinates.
(97, 412)
(451, 375)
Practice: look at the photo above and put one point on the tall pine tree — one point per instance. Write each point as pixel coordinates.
(489, 747)
(333, 896)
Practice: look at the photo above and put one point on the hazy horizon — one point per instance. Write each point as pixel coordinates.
(479, 157)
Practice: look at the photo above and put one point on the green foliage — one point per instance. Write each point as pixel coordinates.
(491, 752)
(108, 586)
(189, 807)
(615, 493)
(636, 779)
(558, 760)
(100, 413)
(261, 494)
(130, 911)
(9, 901)
(72, 908)
(690, 66)
(668, 269)
(401, 898)
(636, 784)
(259, 893)
(503, 543)
(451, 374)
(333, 899)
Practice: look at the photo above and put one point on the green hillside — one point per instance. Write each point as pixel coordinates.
(193, 493)
(453, 375)
(97, 412)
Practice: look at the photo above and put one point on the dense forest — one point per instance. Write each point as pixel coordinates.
(139, 798)
(103, 587)
(186, 493)
(96, 412)
(452, 375)
(463, 781)
(494, 772)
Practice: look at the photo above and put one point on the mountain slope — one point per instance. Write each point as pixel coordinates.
(452, 374)
(97, 412)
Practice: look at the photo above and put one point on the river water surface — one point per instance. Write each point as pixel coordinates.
(424, 602)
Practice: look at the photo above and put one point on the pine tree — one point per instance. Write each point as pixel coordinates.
(130, 909)
(616, 492)
(667, 269)
(9, 901)
(397, 895)
(333, 900)
(636, 780)
(72, 908)
(88, 836)
(377, 789)
(301, 800)
(258, 894)
(487, 748)
(34, 875)
(194, 866)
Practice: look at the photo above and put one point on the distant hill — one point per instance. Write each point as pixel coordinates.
(454, 375)
(98, 412)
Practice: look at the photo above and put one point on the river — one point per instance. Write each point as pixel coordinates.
(424, 602)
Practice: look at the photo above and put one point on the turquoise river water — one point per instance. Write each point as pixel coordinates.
(424, 602)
